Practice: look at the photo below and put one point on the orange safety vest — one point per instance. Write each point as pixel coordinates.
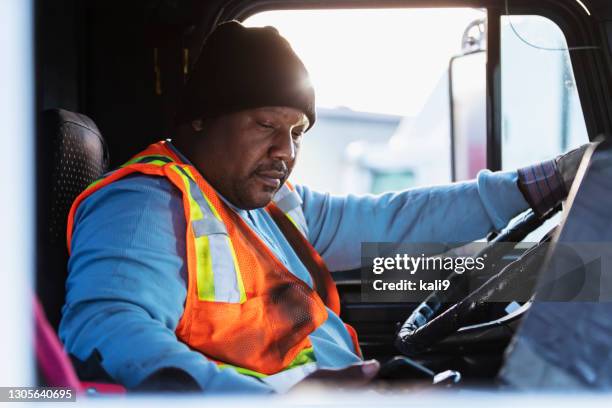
(243, 307)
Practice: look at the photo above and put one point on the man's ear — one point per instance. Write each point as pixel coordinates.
(197, 125)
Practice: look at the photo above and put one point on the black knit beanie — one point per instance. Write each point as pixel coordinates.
(244, 68)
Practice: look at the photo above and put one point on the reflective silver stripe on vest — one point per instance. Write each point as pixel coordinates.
(226, 280)
(224, 270)
(290, 202)
(208, 226)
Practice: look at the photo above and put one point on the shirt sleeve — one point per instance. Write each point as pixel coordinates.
(126, 287)
(450, 214)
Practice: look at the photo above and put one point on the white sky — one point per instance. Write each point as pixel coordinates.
(385, 60)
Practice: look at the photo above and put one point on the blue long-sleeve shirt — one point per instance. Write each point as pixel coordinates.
(127, 273)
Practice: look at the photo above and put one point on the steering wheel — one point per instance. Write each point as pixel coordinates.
(433, 320)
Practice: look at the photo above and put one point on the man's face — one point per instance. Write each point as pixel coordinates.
(248, 155)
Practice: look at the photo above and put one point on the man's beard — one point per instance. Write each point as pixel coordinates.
(250, 201)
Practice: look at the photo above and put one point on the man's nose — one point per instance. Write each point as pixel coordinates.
(283, 147)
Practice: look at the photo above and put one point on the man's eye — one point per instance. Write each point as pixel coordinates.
(266, 125)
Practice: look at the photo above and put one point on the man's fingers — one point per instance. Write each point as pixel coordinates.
(370, 369)
(359, 373)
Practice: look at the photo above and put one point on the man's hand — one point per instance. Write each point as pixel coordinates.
(568, 163)
(352, 376)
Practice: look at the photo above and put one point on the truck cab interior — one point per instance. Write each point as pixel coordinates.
(108, 79)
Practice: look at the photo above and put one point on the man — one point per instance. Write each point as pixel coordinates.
(196, 265)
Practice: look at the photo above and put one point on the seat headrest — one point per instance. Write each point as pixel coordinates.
(80, 156)
(71, 155)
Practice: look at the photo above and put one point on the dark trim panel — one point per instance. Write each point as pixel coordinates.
(493, 92)
(241, 9)
(451, 111)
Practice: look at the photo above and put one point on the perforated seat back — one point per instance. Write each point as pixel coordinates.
(72, 155)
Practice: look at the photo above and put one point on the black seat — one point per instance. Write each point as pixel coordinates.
(72, 154)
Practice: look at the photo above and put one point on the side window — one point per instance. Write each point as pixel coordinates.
(399, 110)
(382, 83)
(541, 112)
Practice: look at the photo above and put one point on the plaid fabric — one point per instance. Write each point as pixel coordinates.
(542, 186)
